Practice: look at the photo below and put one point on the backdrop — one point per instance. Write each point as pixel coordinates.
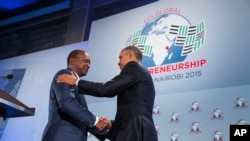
(196, 52)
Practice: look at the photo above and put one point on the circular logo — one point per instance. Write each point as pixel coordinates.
(167, 39)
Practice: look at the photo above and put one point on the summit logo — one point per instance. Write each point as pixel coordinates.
(166, 40)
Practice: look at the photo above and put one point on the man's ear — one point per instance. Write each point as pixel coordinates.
(72, 61)
(131, 55)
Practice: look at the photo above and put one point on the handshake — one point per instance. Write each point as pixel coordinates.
(103, 124)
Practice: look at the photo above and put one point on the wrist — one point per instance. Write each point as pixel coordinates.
(109, 124)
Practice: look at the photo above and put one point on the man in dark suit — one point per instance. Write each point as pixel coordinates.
(69, 118)
(135, 93)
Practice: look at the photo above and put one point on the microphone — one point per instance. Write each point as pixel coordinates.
(9, 76)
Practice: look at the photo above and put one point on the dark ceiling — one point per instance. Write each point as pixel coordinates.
(13, 8)
(101, 8)
(19, 15)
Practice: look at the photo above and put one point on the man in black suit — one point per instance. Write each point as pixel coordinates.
(69, 118)
(135, 93)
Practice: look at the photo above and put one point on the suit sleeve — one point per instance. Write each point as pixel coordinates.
(119, 83)
(69, 105)
(98, 134)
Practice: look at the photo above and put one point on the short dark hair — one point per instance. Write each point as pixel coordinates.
(73, 54)
(137, 52)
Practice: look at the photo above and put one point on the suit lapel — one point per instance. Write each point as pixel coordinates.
(80, 97)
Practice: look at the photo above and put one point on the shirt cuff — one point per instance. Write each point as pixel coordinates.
(77, 81)
(96, 120)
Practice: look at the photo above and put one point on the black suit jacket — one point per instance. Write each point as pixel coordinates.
(135, 93)
(69, 118)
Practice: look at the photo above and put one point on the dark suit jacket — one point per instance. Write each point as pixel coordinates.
(69, 117)
(135, 93)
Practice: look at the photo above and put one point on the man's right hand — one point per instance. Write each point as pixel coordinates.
(69, 79)
(103, 124)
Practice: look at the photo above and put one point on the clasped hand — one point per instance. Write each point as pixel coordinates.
(103, 124)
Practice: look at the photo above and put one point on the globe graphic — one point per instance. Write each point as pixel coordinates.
(161, 41)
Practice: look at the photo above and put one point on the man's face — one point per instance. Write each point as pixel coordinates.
(124, 58)
(82, 64)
